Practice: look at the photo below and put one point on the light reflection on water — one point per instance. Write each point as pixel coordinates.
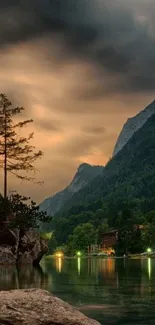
(79, 265)
(149, 267)
(114, 291)
(58, 264)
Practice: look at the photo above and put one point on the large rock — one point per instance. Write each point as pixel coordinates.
(38, 307)
(9, 241)
(31, 248)
(26, 247)
(6, 255)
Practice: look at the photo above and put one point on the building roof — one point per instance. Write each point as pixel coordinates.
(110, 232)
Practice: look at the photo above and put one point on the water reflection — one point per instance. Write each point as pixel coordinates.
(58, 264)
(79, 265)
(22, 278)
(119, 291)
(8, 277)
(149, 267)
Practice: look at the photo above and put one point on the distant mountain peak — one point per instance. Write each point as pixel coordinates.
(132, 125)
(84, 174)
(83, 165)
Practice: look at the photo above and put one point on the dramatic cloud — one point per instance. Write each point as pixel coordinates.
(80, 68)
(116, 36)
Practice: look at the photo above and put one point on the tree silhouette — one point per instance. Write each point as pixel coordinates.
(16, 153)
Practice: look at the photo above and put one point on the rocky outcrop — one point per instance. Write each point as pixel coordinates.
(9, 242)
(21, 247)
(31, 247)
(132, 125)
(38, 307)
(83, 176)
(6, 255)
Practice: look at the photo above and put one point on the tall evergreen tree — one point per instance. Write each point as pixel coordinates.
(16, 153)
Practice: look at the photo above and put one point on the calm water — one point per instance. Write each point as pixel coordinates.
(111, 291)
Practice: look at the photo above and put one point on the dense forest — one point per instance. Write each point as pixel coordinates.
(123, 196)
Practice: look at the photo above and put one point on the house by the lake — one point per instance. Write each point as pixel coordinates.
(108, 243)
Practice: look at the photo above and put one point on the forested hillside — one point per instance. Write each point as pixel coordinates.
(129, 175)
(123, 195)
(85, 174)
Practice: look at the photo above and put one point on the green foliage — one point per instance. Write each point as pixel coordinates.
(151, 235)
(82, 237)
(102, 228)
(52, 244)
(124, 216)
(22, 212)
(46, 235)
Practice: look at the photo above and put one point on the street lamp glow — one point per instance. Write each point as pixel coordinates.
(149, 250)
(78, 253)
(59, 254)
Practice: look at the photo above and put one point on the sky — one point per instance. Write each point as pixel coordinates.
(80, 68)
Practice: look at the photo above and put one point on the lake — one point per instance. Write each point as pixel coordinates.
(113, 291)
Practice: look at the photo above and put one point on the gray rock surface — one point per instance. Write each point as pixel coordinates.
(31, 248)
(83, 176)
(9, 241)
(6, 255)
(132, 125)
(26, 247)
(38, 307)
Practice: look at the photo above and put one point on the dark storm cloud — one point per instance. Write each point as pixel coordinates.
(111, 35)
(30, 18)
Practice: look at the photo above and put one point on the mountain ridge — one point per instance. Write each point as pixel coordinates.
(85, 173)
(132, 125)
(89, 177)
(128, 174)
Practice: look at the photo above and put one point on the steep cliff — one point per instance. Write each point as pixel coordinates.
(132, 125)
(83, 176)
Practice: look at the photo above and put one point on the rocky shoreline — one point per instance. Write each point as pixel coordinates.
(21, 247)
(38, 307)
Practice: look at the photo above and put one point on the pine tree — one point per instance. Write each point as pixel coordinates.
(16, 153)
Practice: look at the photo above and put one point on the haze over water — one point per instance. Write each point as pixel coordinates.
(111, 291)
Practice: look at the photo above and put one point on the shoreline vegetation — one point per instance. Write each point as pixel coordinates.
(132, 256)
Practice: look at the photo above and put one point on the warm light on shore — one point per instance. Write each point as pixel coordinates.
(59, 254)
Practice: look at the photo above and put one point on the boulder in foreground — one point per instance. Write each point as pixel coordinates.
(38, 307)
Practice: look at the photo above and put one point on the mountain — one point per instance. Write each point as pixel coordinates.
(128, 175)
(132, 125)
(83, 176)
